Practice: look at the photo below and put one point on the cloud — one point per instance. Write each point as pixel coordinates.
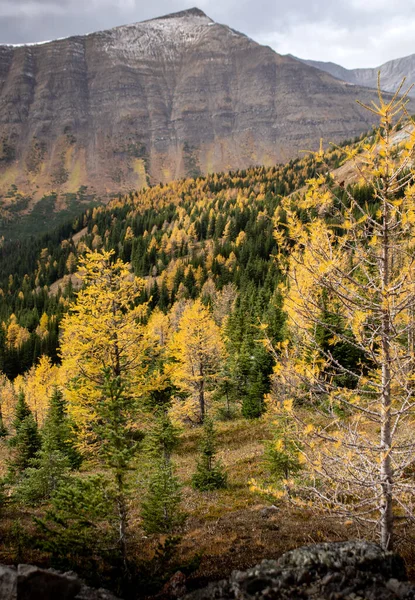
(351, 32)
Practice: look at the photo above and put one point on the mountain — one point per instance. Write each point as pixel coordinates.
(154, 101)
(391, 73)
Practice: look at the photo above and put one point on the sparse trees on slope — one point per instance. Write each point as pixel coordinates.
(353, 261)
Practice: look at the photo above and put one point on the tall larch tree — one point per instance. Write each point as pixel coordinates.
(198, 349)
(351, 273)
(105, 350)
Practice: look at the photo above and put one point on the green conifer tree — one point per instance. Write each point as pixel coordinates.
(22, 411)
(43, 477)
(57, 434)
(209, 474)
(3, 429)
(160, 509)
(26, 442)
(283, 452)
(51, 466)
(81, 525)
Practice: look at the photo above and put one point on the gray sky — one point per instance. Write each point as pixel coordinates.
(353, 33)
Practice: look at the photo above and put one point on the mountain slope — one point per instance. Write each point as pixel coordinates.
(174, 96)
(391, 73)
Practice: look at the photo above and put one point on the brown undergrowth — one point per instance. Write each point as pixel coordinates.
(230, 529)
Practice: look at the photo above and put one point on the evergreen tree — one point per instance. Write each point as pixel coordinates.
(283, 453)
(46, 473)
(51, 466)
(253, 403)
(3, 429)
(81, 525)
(26, 442)
(209, 472)
(160, 509)
(57, 434)
(119, 443)
(225, 394)
(22, 411)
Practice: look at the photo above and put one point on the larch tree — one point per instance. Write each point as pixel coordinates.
(8, 399)
(350, 305)
(198, 349)
(104, 351)
(38, 384)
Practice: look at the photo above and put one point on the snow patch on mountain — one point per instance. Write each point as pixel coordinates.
(159, 38)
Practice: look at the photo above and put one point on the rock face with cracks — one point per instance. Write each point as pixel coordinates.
(334, 571)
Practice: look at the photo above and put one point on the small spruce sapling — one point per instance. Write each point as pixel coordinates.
(160, 509)
(57, 432)
(209, 474)
(283, 456)
(3, 429)
(26, 442)
(58, 455)
(81, 526)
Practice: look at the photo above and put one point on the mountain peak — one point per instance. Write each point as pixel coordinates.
(190, 12)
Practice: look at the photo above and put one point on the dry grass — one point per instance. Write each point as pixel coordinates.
(228, 527)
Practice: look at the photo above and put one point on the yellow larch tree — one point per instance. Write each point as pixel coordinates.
(105, 350)
(198, 349)
(350, 305)
(8, 399)
(16, 335)
(38, 384)
(103, 330)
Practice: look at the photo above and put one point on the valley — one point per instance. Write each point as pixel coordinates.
(206, 332)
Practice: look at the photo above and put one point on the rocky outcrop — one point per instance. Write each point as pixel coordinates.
(175, 96)
(31, 583)
(355, 570)
(337, 571)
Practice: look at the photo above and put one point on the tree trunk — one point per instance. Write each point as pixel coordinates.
(202, 395)
(386, 481)
(122, 523)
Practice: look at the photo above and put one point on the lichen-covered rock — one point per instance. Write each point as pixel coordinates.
(354, 570)
(28, 582)
(8, 583)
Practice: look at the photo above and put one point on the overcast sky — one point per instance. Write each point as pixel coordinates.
(353, 33)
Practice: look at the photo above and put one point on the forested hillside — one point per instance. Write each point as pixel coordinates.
(193, 350)
(210, 237)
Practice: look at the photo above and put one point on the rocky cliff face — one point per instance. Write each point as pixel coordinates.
(166, 98)
(391, 73)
